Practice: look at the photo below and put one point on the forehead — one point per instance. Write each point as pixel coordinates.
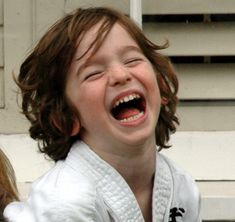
(87, 39)
(116, 35)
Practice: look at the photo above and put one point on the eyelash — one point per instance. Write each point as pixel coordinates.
(92, 74)
(134, 60)
(129, 62)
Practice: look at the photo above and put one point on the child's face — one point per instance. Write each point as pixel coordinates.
(115, 93)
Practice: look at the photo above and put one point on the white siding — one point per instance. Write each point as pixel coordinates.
(17, 40)
(1, 89)
(123, 5)
(1, 57)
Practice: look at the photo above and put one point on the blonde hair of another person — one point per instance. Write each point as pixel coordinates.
(8, 188)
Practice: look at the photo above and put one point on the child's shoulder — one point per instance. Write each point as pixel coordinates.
(64, 183)
(60, 194)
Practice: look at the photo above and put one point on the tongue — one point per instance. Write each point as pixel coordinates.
(126, 113)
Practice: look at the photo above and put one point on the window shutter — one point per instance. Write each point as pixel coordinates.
(202, 47)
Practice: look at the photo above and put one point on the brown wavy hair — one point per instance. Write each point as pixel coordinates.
(42, 78)
(8, 189)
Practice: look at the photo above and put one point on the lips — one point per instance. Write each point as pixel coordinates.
(128, 107)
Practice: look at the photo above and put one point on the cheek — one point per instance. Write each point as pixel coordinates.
(150, 78)
(152, 85)
(90, 98)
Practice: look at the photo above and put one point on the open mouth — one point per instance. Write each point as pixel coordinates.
(129, 108)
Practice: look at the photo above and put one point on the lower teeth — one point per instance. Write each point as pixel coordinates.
(132, 117)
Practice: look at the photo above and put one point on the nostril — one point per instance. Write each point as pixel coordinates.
(119, 77)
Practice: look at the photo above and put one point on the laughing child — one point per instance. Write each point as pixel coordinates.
(101, 101)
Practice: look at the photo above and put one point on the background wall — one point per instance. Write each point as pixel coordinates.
(202, 48)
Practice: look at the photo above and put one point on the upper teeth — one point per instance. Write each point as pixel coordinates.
(126, 99)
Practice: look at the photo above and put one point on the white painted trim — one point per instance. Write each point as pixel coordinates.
(23, 153)
(218, 200)
(206, 155)
(136, 11)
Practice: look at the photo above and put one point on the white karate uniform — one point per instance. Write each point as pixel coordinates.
(85, 188)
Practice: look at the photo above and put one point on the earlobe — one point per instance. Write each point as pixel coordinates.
(164, 101)
(76, 128)
(55, 122)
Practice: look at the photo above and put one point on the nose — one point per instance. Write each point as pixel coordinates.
(119, 75)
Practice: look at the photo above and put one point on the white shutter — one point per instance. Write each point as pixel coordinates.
(188, 6)
(196, 38)
(203, 50)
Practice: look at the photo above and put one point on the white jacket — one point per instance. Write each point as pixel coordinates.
(84, 188)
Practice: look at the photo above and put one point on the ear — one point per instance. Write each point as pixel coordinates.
(164, 101)
(56, 123)
(76, 126)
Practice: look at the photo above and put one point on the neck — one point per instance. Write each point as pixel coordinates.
(136, 163)
(137, 166)
(138, 170)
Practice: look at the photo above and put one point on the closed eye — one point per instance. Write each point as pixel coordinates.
(133, 61)
(94, 75)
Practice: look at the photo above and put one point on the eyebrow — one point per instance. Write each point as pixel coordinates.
(128, 48)
(121, 51)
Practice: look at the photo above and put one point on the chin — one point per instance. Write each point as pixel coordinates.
(140, 138)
